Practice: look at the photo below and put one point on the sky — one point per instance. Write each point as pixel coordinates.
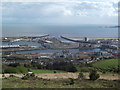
(60, 12)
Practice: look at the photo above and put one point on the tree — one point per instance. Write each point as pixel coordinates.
(14, 64)
(93, 75)
(70, 68)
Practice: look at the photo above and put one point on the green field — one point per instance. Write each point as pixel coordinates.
(45, 71)
(107, 65)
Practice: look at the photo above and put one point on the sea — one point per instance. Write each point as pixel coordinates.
(58, 30)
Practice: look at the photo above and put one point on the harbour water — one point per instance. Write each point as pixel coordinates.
(57, 31)
(46, 50)
(57, 51)
(23, 43)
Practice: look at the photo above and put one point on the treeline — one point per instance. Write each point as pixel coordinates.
(24, 68)
(15, 58)
(56, 65)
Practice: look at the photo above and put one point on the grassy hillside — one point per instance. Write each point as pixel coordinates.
(14, 82)
(107, 65)
(22, 69)
(18, 69)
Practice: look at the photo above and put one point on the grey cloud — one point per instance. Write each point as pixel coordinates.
(44, 12)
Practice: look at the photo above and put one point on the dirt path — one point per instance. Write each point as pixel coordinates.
(63, 76)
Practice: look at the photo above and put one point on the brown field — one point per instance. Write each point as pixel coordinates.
(109, 76)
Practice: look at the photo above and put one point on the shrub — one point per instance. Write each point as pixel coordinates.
(32, 75)
(93, 75)
(3, 75)
(26, 77)
(103, 72)
(29, 76)
(29, 70)
(55, 72)
(70, 81)
(71, 68)
(12, 76)
(81, 76)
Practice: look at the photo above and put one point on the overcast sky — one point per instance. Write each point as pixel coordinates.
(61, 13)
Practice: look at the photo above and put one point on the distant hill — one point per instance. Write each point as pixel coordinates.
(112, 26)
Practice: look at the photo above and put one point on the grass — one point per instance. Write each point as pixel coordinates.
(18, 69)
(14, 82)
(106, 64)
(45, 71)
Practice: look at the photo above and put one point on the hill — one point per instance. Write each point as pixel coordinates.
(107, 65)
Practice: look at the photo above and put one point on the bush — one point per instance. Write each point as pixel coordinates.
(70, 81)
(29, 70)
(71, 68)
(55, 72)
(32, 75)
(3, 75)
(81, 76)
(103, 72)
(93, 75)
(29, 76)
(12, 76)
